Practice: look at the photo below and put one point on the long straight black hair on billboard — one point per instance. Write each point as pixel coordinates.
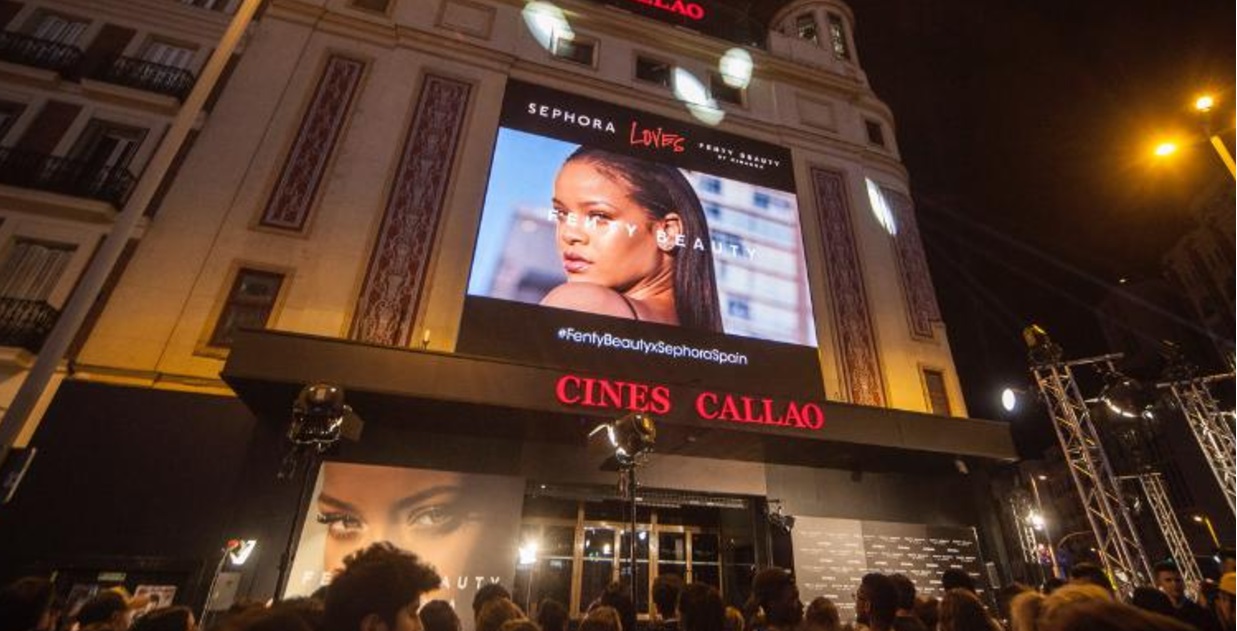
(662, 189)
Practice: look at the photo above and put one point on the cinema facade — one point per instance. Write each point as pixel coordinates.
(379, 200)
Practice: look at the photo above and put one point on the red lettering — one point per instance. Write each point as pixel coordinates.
(560, 389)
(655, 138)
(661, 400)
(730, 412)
(711, 399)
(792, 415)
(611, 394)
(638, 397)
(813, 416)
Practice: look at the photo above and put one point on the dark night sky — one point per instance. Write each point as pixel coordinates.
(1025, 125)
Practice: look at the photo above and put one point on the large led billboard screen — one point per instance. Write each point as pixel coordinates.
(617, 240)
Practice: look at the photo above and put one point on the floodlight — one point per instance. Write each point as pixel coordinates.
(1009, 399)
(632, 437)
(318, 416)
(1125, 397)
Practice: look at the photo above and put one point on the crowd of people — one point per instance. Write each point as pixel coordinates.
(381, 588)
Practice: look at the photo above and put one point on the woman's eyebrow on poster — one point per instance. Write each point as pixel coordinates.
(450, 492)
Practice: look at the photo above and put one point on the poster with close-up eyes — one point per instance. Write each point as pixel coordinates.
(622, 241)
(465, 525)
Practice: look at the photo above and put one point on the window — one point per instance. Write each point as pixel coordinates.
(105, 144)
(876, 133)
(573, 49)
(837, 36)
(10, 111)
(653, 71)
(165, 54)
(249, 304)
(739, 308)
(938, 397)
(721, 91)
(805, 28)
(32, 269)
(711, 185)
(54, 27)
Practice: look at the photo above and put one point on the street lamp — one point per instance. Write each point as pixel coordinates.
(1201, 518)
(1165, 149)
(1203, 105)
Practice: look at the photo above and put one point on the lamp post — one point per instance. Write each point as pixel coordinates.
(1202, 518)
(1203, 106)
(1043, 523)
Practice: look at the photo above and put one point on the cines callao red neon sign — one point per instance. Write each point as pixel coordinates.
(690, 10)
(632, 396)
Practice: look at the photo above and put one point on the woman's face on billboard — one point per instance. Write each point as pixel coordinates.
(425, 512)
(604, 236)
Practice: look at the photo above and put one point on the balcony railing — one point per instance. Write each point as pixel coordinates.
(41, 53)
(146, 75)
(68, 177)
(25, 323)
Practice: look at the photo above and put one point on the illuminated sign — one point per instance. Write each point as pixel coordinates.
(727, 20)
(634, 396)
(691, 10)
(628, 244)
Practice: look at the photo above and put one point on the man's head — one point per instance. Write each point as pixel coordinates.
(26, 604)
(107, 608)
(437, 615)
(775, 591)
(955, 578)
(379, 589)
(906, 593)
(876, 600)
(488, 592)
(552, 615)
(666, 594)
(1090, 573)
(1168, 579)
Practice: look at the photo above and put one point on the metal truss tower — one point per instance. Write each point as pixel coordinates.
(1099, 490)
(1212, 430)
(1018, 509)
(1153, 488)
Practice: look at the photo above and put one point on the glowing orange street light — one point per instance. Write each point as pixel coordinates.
(1204, 103)
(1165, 149)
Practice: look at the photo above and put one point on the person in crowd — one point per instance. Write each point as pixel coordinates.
(1030, 611)
(1090, 573)
(1106, 615)
(112, 610)
(928, 610)
(734, 619)
(519, 624)
(957, 578)
(876, 602)
(1153, 600)
(618, 596)
(821, 615)
(775, 593)
(962, 611)
(1169, 580)
(1004, 596)
(1223, 605)
(496, 613)
(601, 618)
(379, 589)
(311, 610)
(634, 242)
(439, 615)
(666, 589)
(552, 615)
(904, 618)
(26, 605)
(167, 619)
(1228, 560)
(487, 592)
(700, 608)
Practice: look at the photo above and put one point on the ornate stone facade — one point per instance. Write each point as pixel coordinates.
(913, 266)
(396, 276)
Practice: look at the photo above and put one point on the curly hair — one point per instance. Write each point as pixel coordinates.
(378, 580)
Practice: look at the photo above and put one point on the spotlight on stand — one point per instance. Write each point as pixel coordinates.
(632, 437)
(1126, 397)
(319, 419)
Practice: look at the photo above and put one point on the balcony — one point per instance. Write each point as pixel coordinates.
(25, 323)
(40, 53)
(144, 75)
(42, 172)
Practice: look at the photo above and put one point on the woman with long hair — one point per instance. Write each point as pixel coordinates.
(634, 242)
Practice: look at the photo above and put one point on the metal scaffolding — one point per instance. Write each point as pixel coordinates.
(1153, 488)
(1116, 538)
(1211, 429)
(1019, 509)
